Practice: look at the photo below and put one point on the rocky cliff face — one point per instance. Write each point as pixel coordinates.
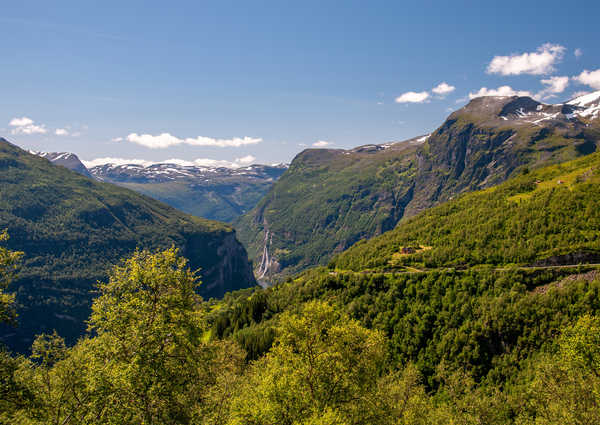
(491, 138)
(230, 271)
(329, 199)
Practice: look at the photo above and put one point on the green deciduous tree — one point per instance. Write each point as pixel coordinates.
(565, 388)
(146, 360)
(323, 368)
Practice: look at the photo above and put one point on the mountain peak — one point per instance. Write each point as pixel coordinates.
(526, 110)
(65, 159)
(588, 105)
(586, 99)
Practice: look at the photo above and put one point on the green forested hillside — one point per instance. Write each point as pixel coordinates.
(73, 229)
(482, 310)
(492, 281)
(489, 315)
(550, 216)
(464, 349)
(326, 201)
(330, 199)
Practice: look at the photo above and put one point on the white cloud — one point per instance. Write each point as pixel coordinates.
(248, 159)
(20, 122)
(578, 53)
(413, 97)
(500, 91)
(589, 78)
(199, 162)
(321, 144)
(166, 140)
(539, 62)
(61, 132)
(116, 139)
(26, 125)
(115, 161)
(443, 89)
(554, 85)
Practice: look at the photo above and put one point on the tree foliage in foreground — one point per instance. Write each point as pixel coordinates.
(148, 359)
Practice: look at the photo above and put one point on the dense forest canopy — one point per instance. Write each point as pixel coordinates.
(150, 358)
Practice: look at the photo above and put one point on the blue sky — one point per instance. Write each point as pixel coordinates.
(259, 81)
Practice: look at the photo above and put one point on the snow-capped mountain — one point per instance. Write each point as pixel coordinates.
(65, 159)
(580, 112)
(217, 193)
(166, 172)
(588, 105)
(525, 110)
(211, 192)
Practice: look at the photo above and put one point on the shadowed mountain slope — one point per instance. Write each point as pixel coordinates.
(72, 229)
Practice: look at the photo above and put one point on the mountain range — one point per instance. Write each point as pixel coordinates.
(330, 199)
(215, 193)
(477, 274)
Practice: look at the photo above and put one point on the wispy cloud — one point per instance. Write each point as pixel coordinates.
(578, 53)
(441, 90)
(26, 125)
(61, 132)
(539, 62)
(321, 144)
(166, 140)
